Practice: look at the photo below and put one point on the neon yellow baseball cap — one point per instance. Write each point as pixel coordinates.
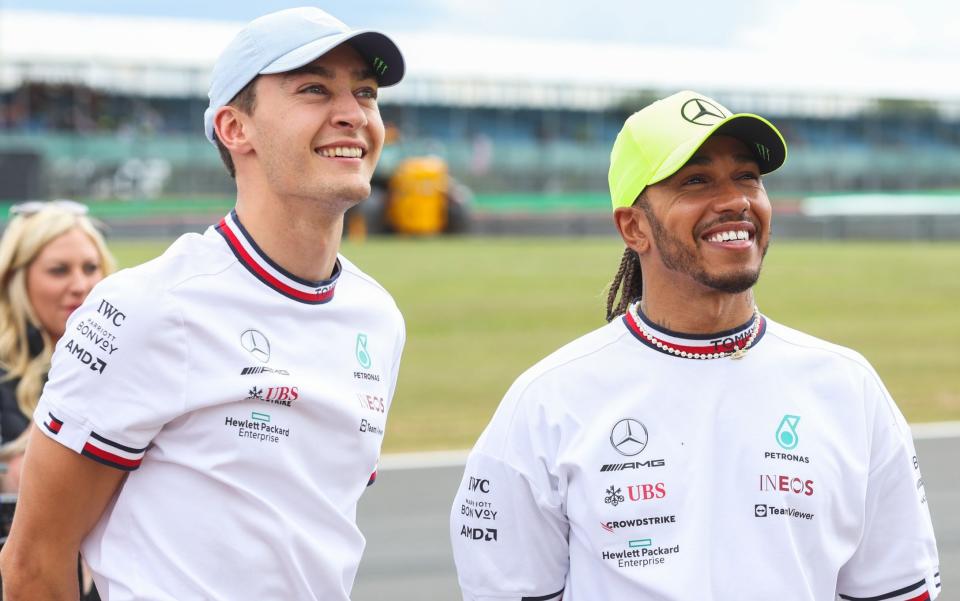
(657, 141)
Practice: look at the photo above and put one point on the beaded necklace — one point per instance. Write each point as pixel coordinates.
(734, 354)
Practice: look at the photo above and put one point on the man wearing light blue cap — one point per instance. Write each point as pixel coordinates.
(242, 380)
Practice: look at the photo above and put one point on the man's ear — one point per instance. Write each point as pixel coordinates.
(634, 228)
(231, 130)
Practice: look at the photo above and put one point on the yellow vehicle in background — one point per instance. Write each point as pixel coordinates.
(419, 198)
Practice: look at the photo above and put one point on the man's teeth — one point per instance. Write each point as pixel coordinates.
(351, 152)
(729, 235)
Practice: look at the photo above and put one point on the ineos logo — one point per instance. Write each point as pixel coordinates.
(256, 344)
(701, 112)
(628, 437)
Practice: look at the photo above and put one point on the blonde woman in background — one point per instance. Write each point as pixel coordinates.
(51, 255)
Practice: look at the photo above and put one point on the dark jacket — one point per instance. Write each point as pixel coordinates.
(12, 421)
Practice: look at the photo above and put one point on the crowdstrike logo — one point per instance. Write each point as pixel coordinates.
(256, 344)
(638, 522)
(629, 437)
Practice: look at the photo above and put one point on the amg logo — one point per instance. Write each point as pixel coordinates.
(111, 313)
(632, 465)
(484, 534)
(252, 371)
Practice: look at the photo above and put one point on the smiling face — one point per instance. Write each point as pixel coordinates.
(60, 277)
(316, 132)
(710, 221)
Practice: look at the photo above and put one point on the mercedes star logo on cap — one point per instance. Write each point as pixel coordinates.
(257, 344)
(628, 437)
(701, 112)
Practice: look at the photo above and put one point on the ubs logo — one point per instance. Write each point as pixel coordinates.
(628, 437)
(256, 344)
(701, 112)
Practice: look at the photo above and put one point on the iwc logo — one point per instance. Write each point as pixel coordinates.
(701, 112)
(256, 344)
(628, 437)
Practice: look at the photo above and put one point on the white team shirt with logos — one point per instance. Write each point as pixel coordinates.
(614, 470)
(249, 407)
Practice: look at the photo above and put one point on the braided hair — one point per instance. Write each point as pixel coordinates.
(628, 281)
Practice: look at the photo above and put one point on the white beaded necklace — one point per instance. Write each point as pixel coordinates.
(735, 354)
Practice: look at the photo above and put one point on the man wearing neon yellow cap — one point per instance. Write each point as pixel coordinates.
(692, 448)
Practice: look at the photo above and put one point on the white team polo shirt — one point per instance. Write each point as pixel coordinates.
(253, 403)
(614, 469)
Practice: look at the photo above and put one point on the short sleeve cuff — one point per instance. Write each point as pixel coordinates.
(79, 436)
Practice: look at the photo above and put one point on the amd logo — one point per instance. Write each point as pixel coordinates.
(478, 484)
(484, 534)
(95, 363)
(111, 313)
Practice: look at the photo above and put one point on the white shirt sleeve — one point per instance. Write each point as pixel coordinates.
(508, 526)
(117, 374)
(896, 559)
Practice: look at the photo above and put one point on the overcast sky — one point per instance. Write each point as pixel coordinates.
(916, 29)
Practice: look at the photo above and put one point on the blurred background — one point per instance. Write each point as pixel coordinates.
(494, 179)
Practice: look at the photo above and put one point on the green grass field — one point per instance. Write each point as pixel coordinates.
(479, 311)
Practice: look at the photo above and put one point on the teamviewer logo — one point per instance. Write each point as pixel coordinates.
(760, 511)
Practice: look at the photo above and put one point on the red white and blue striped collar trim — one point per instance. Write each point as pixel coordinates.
(696, 346)
(268, 272)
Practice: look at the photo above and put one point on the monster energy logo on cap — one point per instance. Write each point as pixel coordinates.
(379, 65)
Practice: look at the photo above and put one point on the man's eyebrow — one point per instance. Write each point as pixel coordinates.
(321, 71)
(317, 70)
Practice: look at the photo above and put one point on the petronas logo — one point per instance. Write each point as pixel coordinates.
(363, 356)
(787, 432)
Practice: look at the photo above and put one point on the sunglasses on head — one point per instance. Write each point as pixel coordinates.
(32, 207)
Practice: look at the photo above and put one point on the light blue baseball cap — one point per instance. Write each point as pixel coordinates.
(287, 40)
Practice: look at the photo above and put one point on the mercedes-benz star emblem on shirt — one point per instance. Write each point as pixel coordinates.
(701, 112)
(628, 437)
(256, 344)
